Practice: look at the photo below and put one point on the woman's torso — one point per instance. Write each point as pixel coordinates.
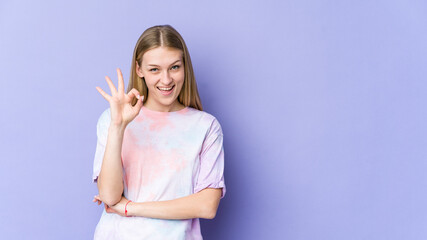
(160, 157)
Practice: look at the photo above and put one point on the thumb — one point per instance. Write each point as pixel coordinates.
(109, 210)
(138, 104)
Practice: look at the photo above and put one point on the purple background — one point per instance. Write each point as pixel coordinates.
(322, 104)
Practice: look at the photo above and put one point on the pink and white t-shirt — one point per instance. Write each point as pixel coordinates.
(165, 155)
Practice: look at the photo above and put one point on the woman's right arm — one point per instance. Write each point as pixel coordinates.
(110, 179)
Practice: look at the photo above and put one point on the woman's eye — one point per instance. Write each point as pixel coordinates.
(154, 69)
(175, 67)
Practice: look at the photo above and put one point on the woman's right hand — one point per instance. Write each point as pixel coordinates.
(122, 111)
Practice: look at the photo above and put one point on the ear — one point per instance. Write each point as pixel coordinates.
(138, 70)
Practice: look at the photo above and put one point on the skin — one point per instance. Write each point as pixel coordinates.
(161, 67)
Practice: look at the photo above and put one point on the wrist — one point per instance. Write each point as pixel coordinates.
(127, 213)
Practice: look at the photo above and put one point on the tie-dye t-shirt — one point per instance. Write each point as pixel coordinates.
(165, 155)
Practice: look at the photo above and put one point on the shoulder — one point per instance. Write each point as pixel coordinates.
(205, 116)
(208, 120)
(105, 118)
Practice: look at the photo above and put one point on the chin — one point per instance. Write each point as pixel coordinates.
(168, 102)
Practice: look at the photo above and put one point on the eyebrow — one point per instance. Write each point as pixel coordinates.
(154, 65)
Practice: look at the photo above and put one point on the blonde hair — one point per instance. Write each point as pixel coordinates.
(164, 36)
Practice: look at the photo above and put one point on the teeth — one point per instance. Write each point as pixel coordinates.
(165, 89)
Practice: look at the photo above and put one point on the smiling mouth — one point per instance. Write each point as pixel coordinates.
(166, 91)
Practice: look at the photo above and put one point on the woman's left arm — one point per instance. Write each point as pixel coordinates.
(203, 204)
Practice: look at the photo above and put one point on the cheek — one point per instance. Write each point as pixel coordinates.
(150, 82)
(179, 77)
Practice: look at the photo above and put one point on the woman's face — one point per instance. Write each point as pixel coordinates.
(163, 70)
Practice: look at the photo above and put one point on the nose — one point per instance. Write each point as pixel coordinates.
(166, 78)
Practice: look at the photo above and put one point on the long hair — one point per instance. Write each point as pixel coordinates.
(164, 36)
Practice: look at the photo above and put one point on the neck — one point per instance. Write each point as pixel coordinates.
(175, 106)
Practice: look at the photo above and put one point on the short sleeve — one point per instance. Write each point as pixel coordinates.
(102, 134)
(211, 173)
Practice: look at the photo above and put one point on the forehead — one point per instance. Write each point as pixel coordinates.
(161, 56)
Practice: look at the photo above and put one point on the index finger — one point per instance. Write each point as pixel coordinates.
(121, 85)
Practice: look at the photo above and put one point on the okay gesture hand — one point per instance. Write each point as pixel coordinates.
(122, 111)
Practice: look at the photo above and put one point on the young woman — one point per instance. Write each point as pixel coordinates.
(159, 159)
